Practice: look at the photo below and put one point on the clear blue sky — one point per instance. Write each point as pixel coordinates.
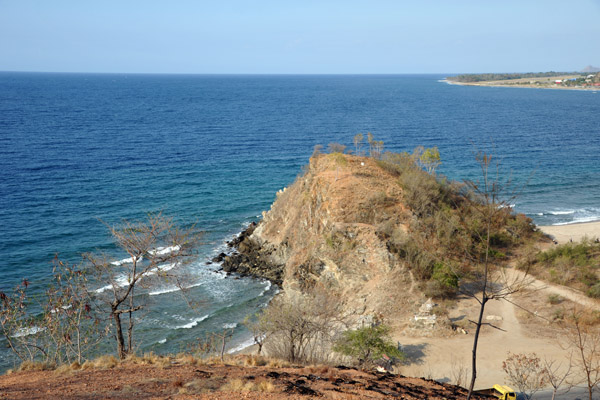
(303, 36)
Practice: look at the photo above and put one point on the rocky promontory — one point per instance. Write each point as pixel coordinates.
(329, 229)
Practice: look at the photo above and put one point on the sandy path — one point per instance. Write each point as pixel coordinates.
(548, 288)
(442, 358)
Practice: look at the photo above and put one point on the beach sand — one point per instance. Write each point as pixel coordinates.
(575, 232)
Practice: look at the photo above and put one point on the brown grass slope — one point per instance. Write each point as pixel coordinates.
(177, 379)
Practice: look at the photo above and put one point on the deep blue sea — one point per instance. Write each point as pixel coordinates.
(213, 150)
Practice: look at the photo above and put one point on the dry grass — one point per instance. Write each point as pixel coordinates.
(254, 361)
(150, 359)
(239, 385)
(35, 366)
(103, 362)
(68, 368)
(278, 363)
(317, 369)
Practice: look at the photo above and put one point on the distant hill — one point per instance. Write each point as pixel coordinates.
(590, 68)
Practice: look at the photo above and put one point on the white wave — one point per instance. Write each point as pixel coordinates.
(123, 280)
(172, 289)
(162, 341)
(119, 282)
(580, 220)
(245, 344)
(27, 331)
(159, 251)
(55, 310)
(266, 289)
(165, 290)
(565, 212)
(162, 268)
(128, 260)
(191, 324)
(230, 326)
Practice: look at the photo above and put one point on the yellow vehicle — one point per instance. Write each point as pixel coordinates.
(502, 392)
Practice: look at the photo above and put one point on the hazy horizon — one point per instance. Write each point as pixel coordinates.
(309, 38)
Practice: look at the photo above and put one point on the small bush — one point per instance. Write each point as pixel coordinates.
(254, 361)
(103, 362)
(554, 299)
(594, 291)
(367, 344)
(36, 366)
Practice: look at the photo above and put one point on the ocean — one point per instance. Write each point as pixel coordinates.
(78, 149)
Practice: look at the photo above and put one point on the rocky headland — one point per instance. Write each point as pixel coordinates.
(326, 230)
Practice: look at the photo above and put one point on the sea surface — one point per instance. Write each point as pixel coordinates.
(78, 149)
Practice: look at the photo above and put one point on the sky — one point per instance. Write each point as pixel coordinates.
(299, 36)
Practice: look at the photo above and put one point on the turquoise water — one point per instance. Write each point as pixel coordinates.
(213, 150)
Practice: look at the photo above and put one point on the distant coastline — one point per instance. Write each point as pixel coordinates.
(495, 84)
(542, 80)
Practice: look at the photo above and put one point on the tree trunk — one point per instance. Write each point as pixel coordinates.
(475, 340)
(120, 340)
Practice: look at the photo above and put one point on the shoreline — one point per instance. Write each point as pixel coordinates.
(572, 232)
(526, 86)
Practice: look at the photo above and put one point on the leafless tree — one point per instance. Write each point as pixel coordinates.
(584, 340)
(526, 372)
(57, 326)
(489, 199)
(336, 148)
(358, 138)
(557, 376)
(156, 249)
(298, 324)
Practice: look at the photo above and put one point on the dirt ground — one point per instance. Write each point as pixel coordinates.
(225, 382)
(525, 326)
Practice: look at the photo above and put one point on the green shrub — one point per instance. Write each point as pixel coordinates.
(444, 281)
(594, 291)
(554, 299)
(367, 344)
(502, 239)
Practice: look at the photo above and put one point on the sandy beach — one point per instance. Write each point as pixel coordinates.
(575, 232)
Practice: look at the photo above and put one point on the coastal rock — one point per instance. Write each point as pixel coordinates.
(327, 230)
(251, 259)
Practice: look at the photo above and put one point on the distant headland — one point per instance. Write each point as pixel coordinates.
(587, 79)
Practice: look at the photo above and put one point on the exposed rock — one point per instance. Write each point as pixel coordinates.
(251, 259)
(327, 229)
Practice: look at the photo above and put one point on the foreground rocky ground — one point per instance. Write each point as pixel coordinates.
(172, 379)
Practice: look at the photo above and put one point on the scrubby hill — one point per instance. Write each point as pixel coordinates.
(382, 234)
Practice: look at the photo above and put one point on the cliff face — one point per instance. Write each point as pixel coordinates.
(324, 231)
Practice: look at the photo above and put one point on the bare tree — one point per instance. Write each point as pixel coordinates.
(370, 141)
(459, 372)
(584, 340)
(526, 372)
(358, 138)
(377, 149)
(257, 328)
(336, 148)
(59, 325)
(223, 338)
(298, 324)
(556, 375)
(156, 249)
(489, 200)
